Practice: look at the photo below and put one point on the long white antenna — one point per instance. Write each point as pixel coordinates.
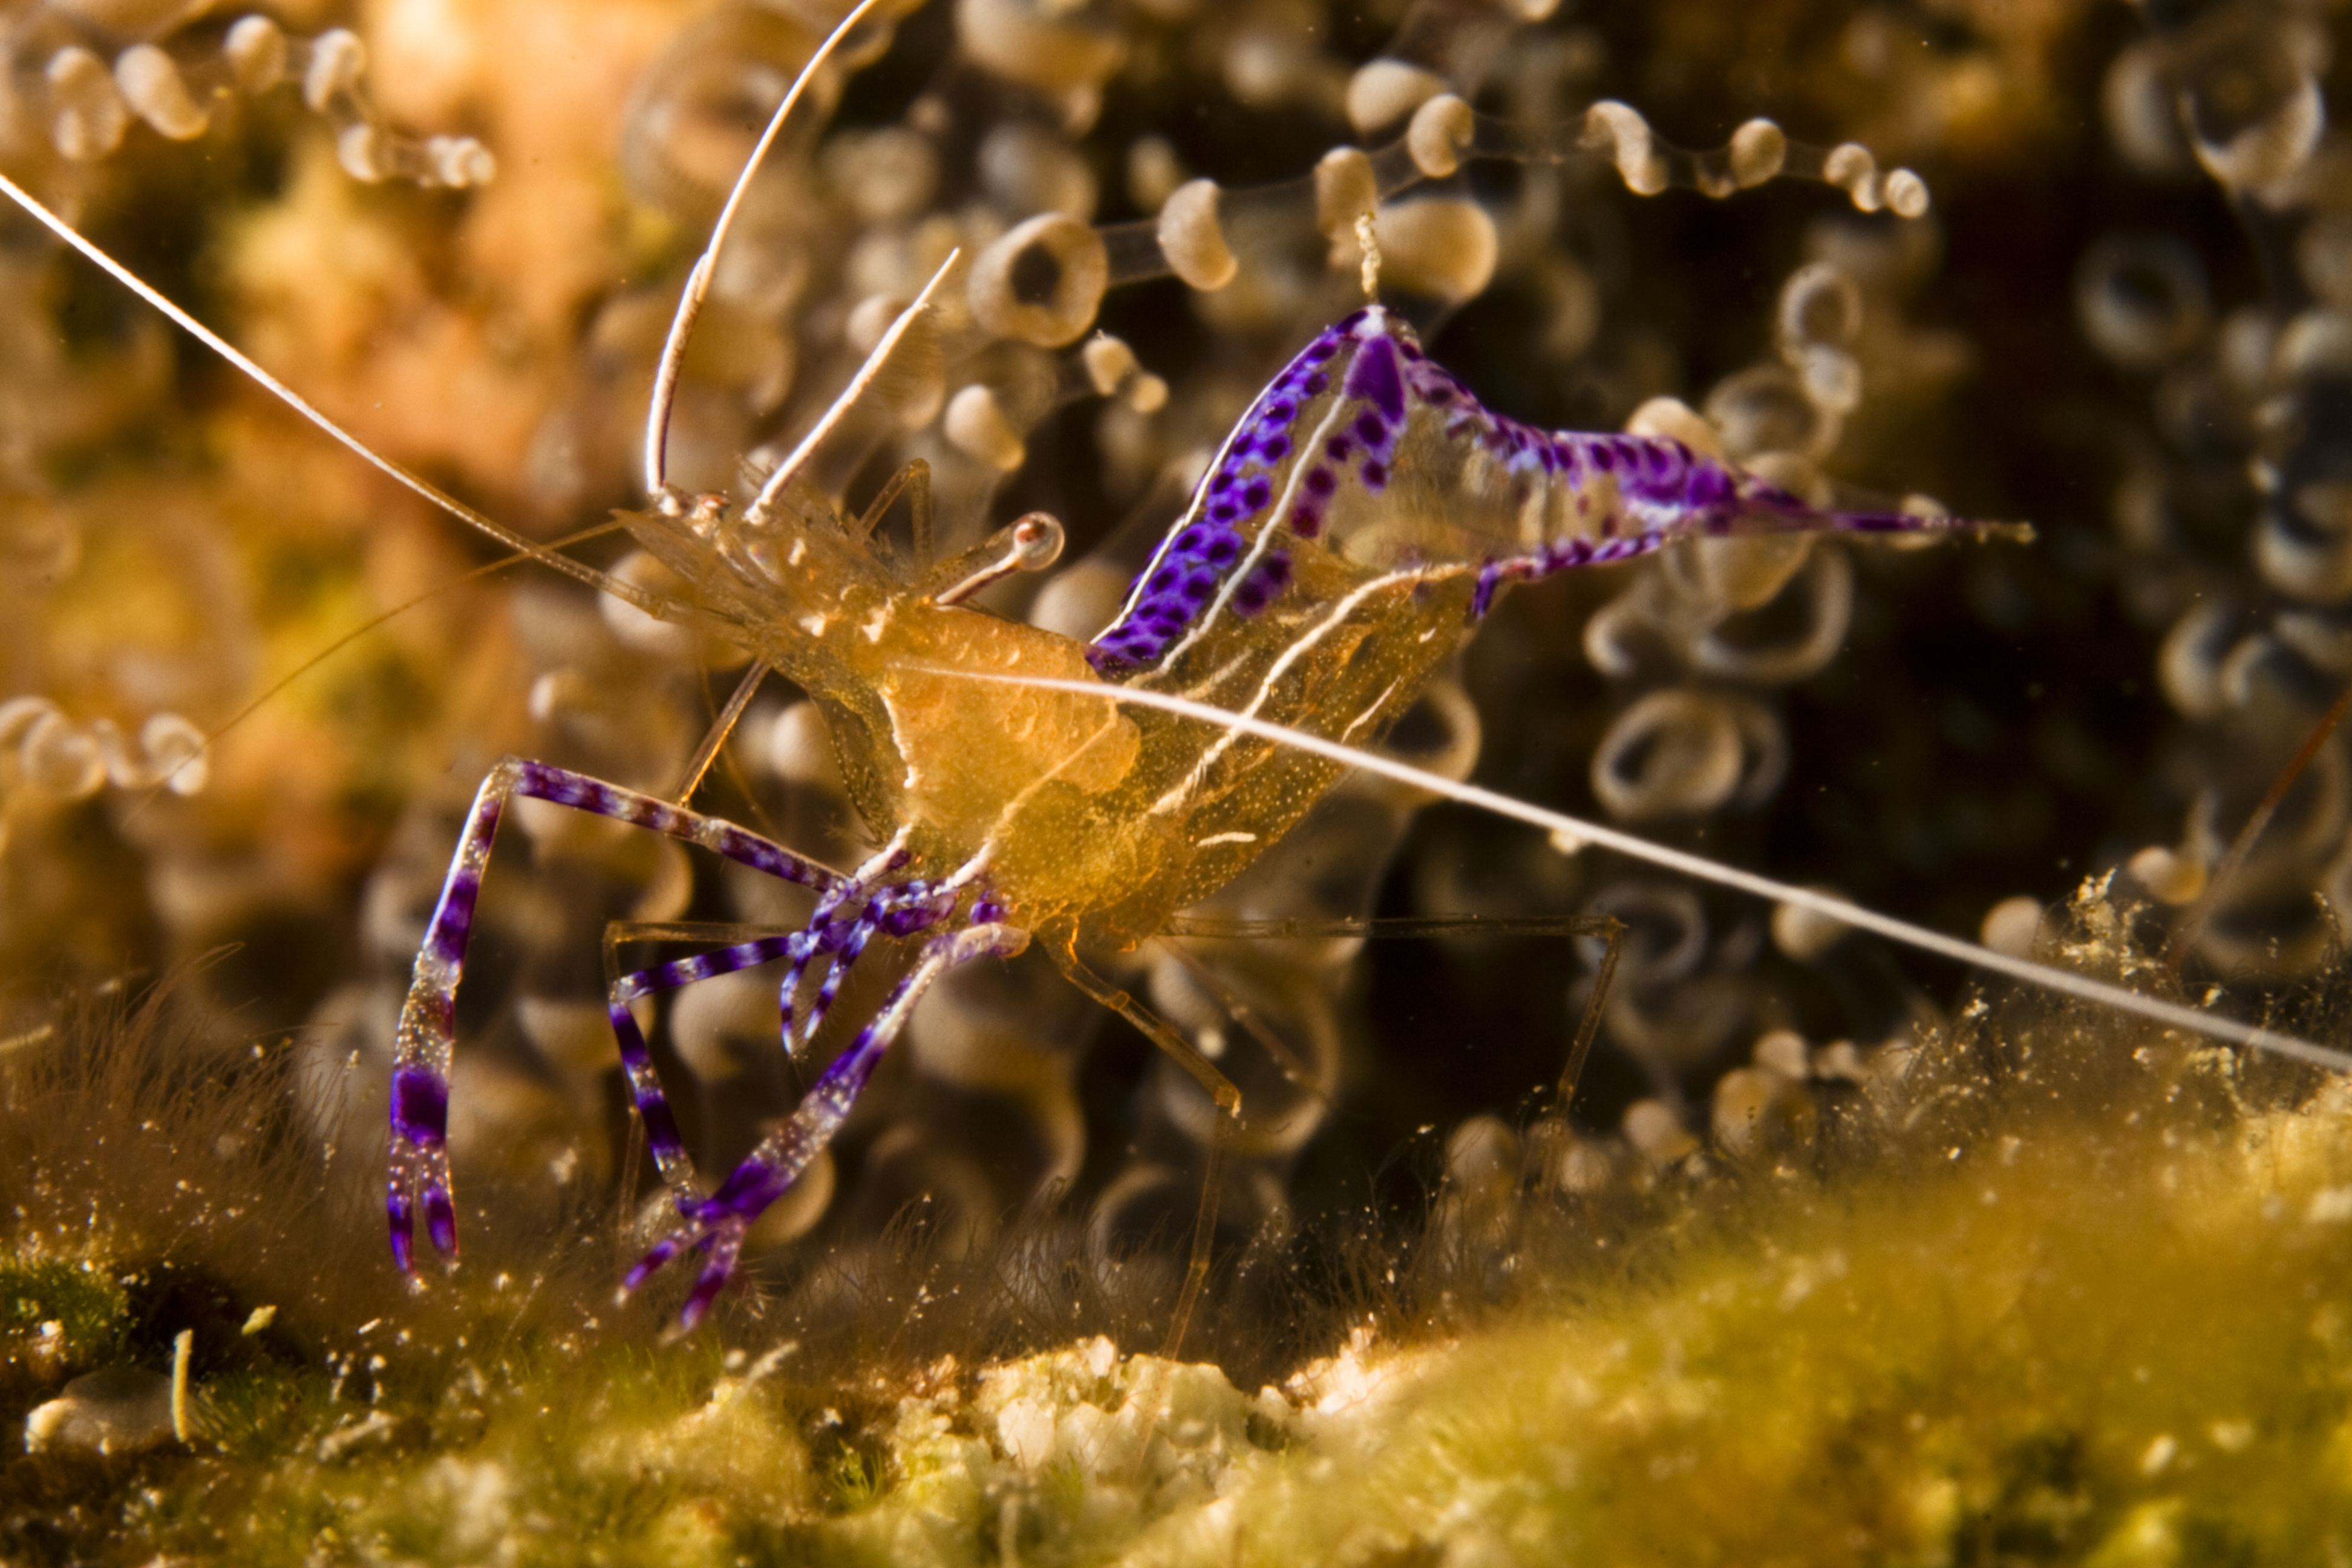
(659, 605)
(2172, 1015)
(697, 282)
(867, 373)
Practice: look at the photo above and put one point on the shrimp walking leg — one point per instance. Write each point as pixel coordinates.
(1229, 1106)
(716, 1225)
(419, 1156)
(669, 1155)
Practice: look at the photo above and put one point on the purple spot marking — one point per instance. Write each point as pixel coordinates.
(396, 1208)
(1489, 577)
(455, 918)
(1375, 378)
(420, 1105)
(1265, 583)
(1709, 487)
(1183, 579)
(440, 1219)
(908, 922)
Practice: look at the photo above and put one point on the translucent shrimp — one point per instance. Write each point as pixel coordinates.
(1027, 787)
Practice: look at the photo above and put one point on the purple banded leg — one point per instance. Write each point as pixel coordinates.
(660, 1122)
(851, 938)
(899, 910)
(894, 912)
(422, 1045)
(897, 913)
(824, 934)
(715, 1226)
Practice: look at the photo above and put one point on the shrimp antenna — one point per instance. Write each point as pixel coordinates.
(373, 623)
(657, 605)
(867, 373)
(2169, 1013)
(661, 606)
(697, 282)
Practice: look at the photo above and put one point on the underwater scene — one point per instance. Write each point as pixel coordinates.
(1899, 452)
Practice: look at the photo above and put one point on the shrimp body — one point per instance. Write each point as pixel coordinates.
(1352, 532)
(1355, 526)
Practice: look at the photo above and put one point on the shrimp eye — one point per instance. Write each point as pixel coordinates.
(1037, 541)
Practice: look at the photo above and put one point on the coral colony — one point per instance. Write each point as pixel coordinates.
(1056, 265)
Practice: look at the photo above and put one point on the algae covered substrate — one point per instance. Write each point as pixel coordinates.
(2043, 1289)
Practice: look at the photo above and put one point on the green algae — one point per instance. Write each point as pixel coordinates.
(69, 1310)
(2054, 1292)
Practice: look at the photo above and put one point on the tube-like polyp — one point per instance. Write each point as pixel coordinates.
(86, 114)
(1037, 45)
(1441, 129)
(976, 426)
(1043, 282)
(1194, 241)
(1442, 248)
(1383, 92)
(153, 85)
(256, 51)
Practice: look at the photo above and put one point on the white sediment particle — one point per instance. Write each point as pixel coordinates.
(119, 1410)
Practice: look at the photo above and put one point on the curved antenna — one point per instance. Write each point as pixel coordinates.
(2172, 1015)
(374, 622)
(866, 376)
(661, 606)
(697, 282)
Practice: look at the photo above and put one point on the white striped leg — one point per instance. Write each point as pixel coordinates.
(419, 1155)
(715, 1226)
